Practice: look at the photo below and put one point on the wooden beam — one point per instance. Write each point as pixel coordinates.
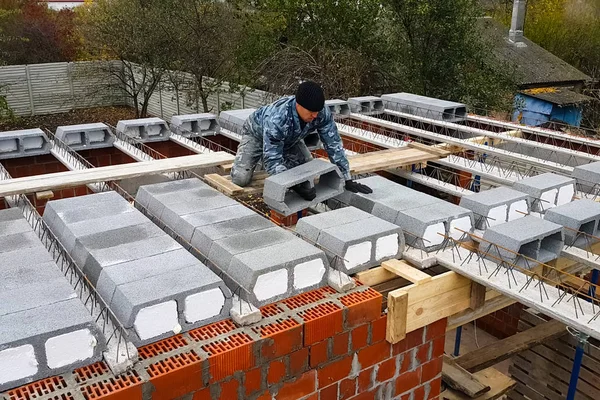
(61, 180)
(223, 185)
(467, 315)
(45, 195)
(406, 271)
(375, 276)
(499, 351)
(499, 385)
(478, 292)
(397, 316)
(459, 379)
(430, 149)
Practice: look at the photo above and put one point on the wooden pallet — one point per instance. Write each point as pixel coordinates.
(499, 385)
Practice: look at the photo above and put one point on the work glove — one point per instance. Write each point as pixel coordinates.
(356, 187)
(305, 191)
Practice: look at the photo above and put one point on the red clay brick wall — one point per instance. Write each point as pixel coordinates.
(502, 323)
(105, 157)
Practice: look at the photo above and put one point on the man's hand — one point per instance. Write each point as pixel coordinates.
(305, 191)
(356, 187)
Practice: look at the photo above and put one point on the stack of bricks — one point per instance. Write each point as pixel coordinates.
(319, 345)
(502, 323)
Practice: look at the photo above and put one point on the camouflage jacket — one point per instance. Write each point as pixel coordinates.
(279, 125)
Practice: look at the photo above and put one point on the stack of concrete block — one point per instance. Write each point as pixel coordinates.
(257, 259)
(145, 129)
(427, 107)
(588, 178)
(366, 105)
(338, 108)
(45, 329)
(424, 219)
(234, 120)
(23, 143)
(152, 284)
(532, 237)
(496, 206)
(279, 197)
(192, 125)
(353, 239)
(579, 216)
(546, 191)
(85, 136)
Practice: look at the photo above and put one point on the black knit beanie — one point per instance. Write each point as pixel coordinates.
(310, 96)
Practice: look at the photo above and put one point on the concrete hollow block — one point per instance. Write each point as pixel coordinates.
(338, 108)
(530, 236)
(581, 215)
(588, 177)
(493, 207)
(366, 104)
(145, 129)
(234, 120)
(427, 107)
(279, 197)
(546, 190)
(23, 143)
(313, 141)
(191, 125)
(85, 136)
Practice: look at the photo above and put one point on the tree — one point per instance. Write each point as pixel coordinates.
(443, 54)
(128, 31)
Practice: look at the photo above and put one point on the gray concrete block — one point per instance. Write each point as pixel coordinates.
(147, 192)
(310, 227)
(234, 120)
(23, 143)
(338, 108)
(192, 125)
(205, 236)
(10, 214)
(223, 250)
(581, 215)
(277, 195)
(276, 272)
(424, 227)
(362, 244)
(36, 294)
(492, 207)
(15, 226)
(13, 275)
(85, 136)
(18, 241)
(366, 104)
(588, 177)
(427, 107)
(546, 190)
(47, 347)
(145, 129)
(530, 236)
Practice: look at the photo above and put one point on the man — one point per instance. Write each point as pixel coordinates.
(275, 133)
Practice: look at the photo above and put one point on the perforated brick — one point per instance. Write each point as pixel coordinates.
(164, 367)
(161, 347)
(127, 386)
(38, 389)
(213, 330)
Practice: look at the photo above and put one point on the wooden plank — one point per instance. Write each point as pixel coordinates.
(460, 379)
(499, 385)
(222, 184)
(478, 292)
(499, 351)
(406, 271)
(429, 149)
(375, 276)
(435, 308)
(396, 318)
(225, 168)
(61, 180)
(45, 195)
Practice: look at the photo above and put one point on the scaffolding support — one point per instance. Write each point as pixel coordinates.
(583, 338)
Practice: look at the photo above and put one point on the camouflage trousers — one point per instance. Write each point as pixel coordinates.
(250, 153)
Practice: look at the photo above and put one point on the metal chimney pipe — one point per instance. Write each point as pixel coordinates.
(515, 34)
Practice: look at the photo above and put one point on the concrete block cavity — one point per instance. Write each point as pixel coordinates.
(353, 239)
(234, 120)
(192, 125)
(588, 177)
(23, 143)
(154, 286)
(530, 236)
(322, 175)
(546, 190)
(427, 107)
(46, 329)
(366, 105)
(85, 136)
(495, 206)
(145, 129)
(581, 219)
(258, 260)
(338, 108)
